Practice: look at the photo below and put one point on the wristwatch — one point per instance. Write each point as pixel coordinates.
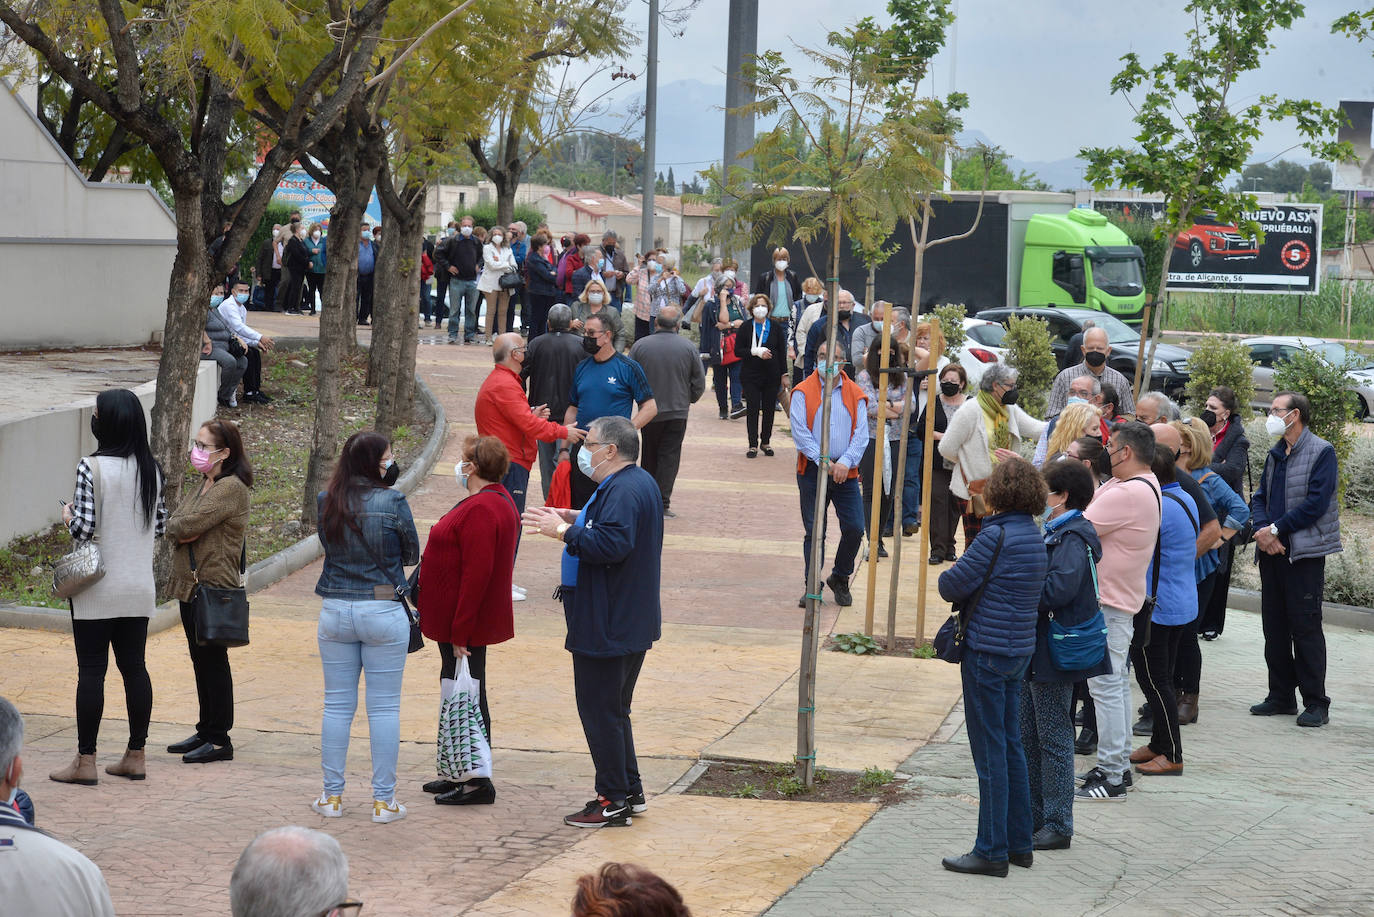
(1273, 530)
(562, 529)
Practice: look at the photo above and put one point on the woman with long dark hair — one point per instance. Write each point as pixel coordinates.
(369, 537)
(118, 500)
(763, 371)
(208, 528)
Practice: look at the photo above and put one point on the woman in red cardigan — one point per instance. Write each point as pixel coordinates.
(465, 586)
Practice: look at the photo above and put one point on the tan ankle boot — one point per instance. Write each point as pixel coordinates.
(81, 771)
(131, 766)
(1187, 708)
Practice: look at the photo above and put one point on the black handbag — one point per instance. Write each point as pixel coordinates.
(949, 640)
(510, 280)
(220, 615)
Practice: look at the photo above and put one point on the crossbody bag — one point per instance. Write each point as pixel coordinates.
(949, 641)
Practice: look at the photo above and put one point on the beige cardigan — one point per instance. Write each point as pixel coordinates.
(966, 442)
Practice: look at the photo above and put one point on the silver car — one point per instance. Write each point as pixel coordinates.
(1269, 352)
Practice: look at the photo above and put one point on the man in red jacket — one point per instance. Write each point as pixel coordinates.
(501, 411)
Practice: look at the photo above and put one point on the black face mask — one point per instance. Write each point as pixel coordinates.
(1103, 465)
(393, 471)
(1094, 359)
(1209, 418)
(843, 315)
(590, 345)
(1009, 398)
(949, 389)
(95, 426)
(610, 249)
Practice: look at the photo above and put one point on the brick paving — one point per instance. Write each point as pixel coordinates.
(1268, 818)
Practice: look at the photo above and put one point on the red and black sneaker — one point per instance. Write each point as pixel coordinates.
(600, 813)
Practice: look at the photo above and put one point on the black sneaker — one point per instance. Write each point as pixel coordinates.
(600, 813)
(1271, 708)
(1313, 716)
(1100, 791)
(1098, 773)
(637, 803)
(737, 412)
(840, 586)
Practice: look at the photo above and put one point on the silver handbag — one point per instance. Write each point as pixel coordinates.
(82, 566)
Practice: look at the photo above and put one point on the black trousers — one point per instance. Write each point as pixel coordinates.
(365, 297)
(269, 303)
(314, 287)
(1154, 672)
(1212, 616)
(1188, 668)
(517, 301)
(605, 688)
(871, 478)
(252, 376)
(477, 667)
(760, 398)
(537, 314)
(214, 683)
(289, 290)
(944, 510)
(643, 328)
(660, 453)
(93, 639)
(1294, 644)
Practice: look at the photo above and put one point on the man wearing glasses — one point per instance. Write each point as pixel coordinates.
(1297, 525)
(290, 872)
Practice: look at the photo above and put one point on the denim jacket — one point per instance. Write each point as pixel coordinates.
(349, 569)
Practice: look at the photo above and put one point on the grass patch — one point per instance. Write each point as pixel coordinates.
(26, 568)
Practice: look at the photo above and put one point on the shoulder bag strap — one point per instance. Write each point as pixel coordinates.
(1175, 498)
(978, 596)
(1154, 566)
(94, 465)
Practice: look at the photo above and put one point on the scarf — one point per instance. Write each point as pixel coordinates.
(996, 417)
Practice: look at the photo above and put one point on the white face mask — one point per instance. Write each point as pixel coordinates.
(729, 275)
(780, 264)
(496, 238)
(465, 230)
(595, 298)
(315, 236)
(1275, 425)
(760, 312)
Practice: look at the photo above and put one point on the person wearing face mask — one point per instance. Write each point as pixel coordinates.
(675, 375)
(226, 349)
(234, 311)
(1069, 597)
(647, 270)
(464, 265)
(208, 529)
(465, 585)
(763, 371)
(667, 288)
(295, 265)
(614, 266)
(41, 876)
(314, 277)
(596, 300)
(1085, 389)
(607, 384)
(982, 433)
(847, 320)
(569, 265)
(610, 586)
(498, 260)
(722, 311)
(805, 310)
(1231, 461)
(367, 269)
(1297, 526)
(369, 538)
(945, 508)
(1096, 349)
(780, 283)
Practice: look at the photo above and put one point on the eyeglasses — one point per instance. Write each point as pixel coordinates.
(208, 447)
(1279, 412)
(520, 349)
(588, 444)
(350, 908)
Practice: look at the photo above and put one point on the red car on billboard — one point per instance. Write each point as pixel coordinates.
(1210, 239)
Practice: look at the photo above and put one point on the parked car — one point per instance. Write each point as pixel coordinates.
(1209, 238)
(982, 347)
(1168, 373)
(1267, 353)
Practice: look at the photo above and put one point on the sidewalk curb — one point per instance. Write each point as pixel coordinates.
(268, 570)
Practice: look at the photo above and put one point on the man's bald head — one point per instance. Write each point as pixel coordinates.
(1166, 435)
(504, 346)
(1096, 335)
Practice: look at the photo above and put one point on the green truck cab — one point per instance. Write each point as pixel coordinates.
(1080, 258)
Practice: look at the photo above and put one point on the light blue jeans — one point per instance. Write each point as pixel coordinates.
(359, 636)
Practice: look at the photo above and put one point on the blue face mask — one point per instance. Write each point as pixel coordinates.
(461, 475)
(215, 300)
(240, 298)
(1074, 399)
(367, 235)
(584, 462)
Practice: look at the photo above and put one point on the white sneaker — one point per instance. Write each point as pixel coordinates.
(517, 595)
(383, 812)
(328, 806)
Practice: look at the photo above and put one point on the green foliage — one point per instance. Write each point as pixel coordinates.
(746, 791)
(484, 215)
(874, 778)
(924, 651)
(1332, 408)
(1285, 177)
(790, 786)
(19, 584)
(1029, 351)
(951, 318)
(1359, 478)
(1350, 574)
(694, 257)
(969, 170)
(1219, 361)
(855, 643)
(1335, 206)
(1315, 315)
(277, 213)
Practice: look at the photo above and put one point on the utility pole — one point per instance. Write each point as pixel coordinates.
(742, 39)
(646, 219)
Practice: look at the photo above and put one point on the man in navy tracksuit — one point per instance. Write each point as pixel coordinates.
(610, 593)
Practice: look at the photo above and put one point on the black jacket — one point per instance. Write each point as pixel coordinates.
(550, 360)
(768, 371)
(295, 256)
(264, 264)
(1231, 456)
(764, 284)
(540, 276)
(464, 253)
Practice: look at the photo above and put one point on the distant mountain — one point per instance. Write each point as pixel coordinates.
(1060, 174)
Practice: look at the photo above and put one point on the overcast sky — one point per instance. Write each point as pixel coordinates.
(1037, 71)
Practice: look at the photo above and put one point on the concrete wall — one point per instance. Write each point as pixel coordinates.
(39, 454)
(84, 264)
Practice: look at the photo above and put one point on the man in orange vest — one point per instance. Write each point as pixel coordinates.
(848, 439)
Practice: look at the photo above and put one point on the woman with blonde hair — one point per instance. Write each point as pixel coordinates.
(498, 259)
(1076, 420)
(596, 300)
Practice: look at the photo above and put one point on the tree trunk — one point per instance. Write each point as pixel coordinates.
(396, 389)
(1141, 381)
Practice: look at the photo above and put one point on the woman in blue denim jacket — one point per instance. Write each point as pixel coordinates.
(1009, 556)
(369, 537)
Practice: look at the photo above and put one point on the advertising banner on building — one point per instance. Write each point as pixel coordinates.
(1359, 174)
(314, 200)
(1211, 255)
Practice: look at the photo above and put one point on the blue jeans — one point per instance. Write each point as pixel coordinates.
(463, 304)
(849, 507)
(911, 484)
(426, 309)
(358, 636)
(992, 708)
(723, 377)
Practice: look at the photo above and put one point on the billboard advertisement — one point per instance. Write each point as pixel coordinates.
(1211, 255)
(314, 200)
(1359, 174)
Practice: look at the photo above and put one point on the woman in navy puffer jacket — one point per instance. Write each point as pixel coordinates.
(1009, 554)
